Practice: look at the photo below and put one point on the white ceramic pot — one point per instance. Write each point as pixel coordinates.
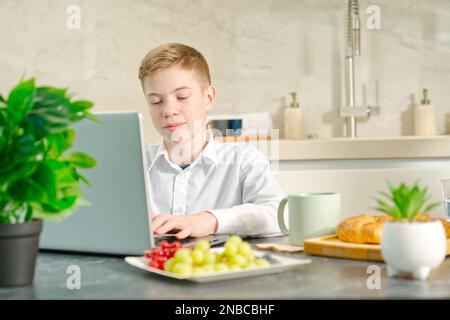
(414, 248)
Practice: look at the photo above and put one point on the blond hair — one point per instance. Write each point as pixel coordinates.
(171, 54)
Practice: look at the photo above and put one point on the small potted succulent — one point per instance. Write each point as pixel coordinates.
(413, 243)
(39, 179)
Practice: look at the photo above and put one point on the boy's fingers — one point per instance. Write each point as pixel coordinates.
(158, 221)
(169, 225)
(154, 215)
(186, 232)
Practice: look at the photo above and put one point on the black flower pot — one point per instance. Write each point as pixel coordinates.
(18, 252)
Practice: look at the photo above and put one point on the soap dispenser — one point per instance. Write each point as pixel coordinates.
(424, 117)
(293, 120)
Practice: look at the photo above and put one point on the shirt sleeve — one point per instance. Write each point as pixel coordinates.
(261, 194)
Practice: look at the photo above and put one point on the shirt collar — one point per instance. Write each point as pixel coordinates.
(209, 152)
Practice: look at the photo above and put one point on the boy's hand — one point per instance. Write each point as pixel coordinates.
(196, 225)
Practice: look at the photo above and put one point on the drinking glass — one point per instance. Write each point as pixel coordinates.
(446, 195)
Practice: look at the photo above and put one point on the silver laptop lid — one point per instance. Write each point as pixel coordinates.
(117, 222)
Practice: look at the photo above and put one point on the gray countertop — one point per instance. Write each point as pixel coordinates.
(104, 277)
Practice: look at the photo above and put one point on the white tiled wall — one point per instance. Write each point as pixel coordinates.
(258, 50)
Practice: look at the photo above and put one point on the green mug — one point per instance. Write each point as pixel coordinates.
(310, 215)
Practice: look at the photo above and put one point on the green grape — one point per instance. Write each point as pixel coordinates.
(182, 268)
(238, 260)
(262, 263)
(210, 258)
(233, 267)
(224, 259)
(208, 268)
(230, 249)
(250, 256)
(246, 252)
(197, 256)
(223, 256)
(218, 256)
(250, 264)
(169, 264)
(198, 271)
(244, 248)
(220, 267)
(202, 245)
(183, 255)
(234, 239)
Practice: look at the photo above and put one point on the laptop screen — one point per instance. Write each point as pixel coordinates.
(117, 219)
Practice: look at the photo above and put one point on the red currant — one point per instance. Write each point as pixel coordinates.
(174, 245)
(164, 244)
(155, 264)
(161, 260)
(159, 253)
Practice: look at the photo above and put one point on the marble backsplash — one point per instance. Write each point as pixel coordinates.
(258, 50)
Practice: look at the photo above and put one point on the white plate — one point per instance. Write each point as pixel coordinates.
(279, 264)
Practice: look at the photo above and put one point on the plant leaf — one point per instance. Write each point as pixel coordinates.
(82, 178)
(27, 191)
(60, 142)
(431, 207)
(81, 105)
(21, 100)
(80, 160)
(408, 201)
(36, 178)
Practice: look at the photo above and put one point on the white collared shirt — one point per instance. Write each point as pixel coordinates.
(233, 181)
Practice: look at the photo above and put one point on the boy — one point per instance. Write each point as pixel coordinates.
(195, 189)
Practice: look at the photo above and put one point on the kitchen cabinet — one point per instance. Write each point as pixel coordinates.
(359, 168)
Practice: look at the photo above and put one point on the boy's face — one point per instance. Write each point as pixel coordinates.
(177, 100)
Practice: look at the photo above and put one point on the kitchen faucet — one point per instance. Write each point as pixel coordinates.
(351, 111)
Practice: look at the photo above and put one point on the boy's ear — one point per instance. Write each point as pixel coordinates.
(210, 97)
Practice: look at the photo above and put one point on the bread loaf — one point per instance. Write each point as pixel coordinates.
(361, 229)
(368, 229)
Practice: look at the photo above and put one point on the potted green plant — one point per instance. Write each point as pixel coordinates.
(39, 179)
(413, 243)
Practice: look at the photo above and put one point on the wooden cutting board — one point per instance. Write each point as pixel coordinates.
(331, 246)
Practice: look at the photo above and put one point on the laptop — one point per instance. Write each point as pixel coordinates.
(118, 219)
